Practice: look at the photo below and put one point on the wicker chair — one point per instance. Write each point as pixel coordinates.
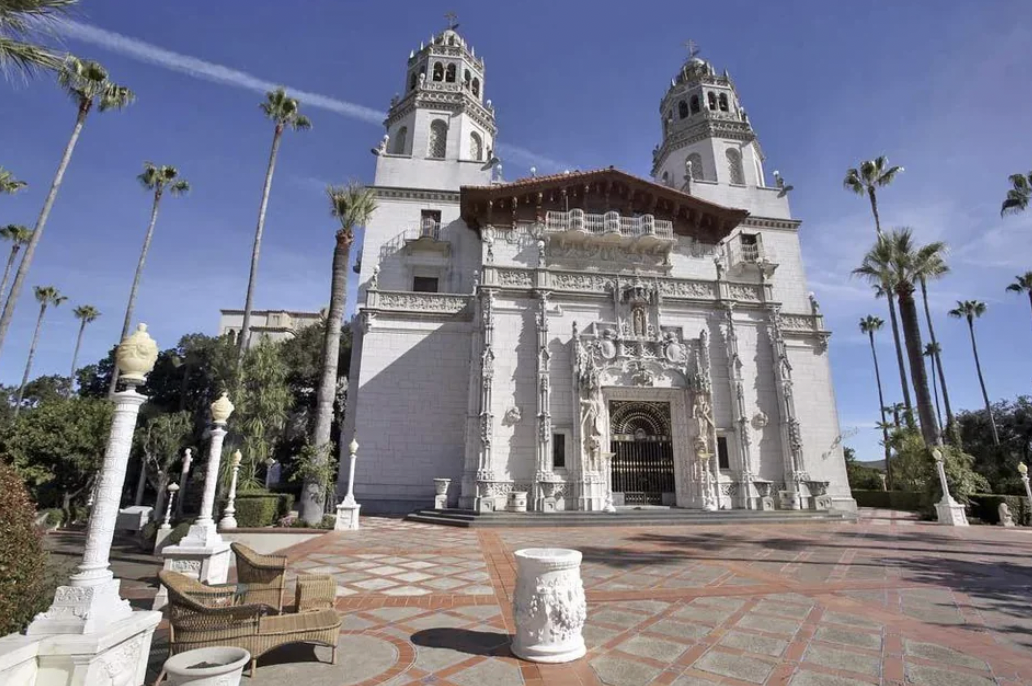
(203, 616)
(264, 575)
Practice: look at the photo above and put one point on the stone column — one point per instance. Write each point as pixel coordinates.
(90, 635)
(949, 511)
(1023, 470)
(791, 434)
(229, 515)
(202, 554)
(739, 414)
(484, 502)
(184, 479)
(348, 510)
(549, 606)
(167, 524)
(544, 410)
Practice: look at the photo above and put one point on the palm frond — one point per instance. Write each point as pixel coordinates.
(852, 182)
(180, 187)
(87, 313)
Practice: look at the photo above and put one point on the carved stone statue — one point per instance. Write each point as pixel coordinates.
(814, 305)
(591, 411)
(541, 254)
(703, 415)
(638, 324)
(374, 279)
(1005, 515)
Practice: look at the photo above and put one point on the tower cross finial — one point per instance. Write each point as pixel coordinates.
(451, 17)
(693, 48)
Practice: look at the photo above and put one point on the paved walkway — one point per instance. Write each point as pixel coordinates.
(889, 600)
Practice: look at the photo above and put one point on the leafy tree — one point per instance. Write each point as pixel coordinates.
(1019, 194)
(58, 448)
(870, 325)
(1022, 284)
(46, 389)
(998, 464)
(861, 476)
(19, 20)
(157, 180)
(23, 588)
(8, 183)
(87, 83)
(86, 314)
(972, 310)
(352, 205)
(911, 460)
(263, 402)
(285, 112)
(45, 296)
(161, 441)
(19, 236)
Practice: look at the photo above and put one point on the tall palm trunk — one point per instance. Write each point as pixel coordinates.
(952, 430)
(909, 416)
(981, 382)
(935, 387)
(874, 210)
(7, 270)
(881, 406)
(37, 233)
(912, 336)
(78, 344)
(28, 362)
(245, 329)
(131, 305)
(314, 493)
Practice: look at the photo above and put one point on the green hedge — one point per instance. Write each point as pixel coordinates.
(889, 500)
(24, 590)
(985, 506)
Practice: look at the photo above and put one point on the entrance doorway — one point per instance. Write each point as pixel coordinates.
(643, 456)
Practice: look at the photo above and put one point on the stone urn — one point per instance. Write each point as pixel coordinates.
(518, 501)
(441, 486)
(549, 605)
(222, 666)
(136, 355)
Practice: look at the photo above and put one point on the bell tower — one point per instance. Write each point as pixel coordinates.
(441, 132)
(706, 135)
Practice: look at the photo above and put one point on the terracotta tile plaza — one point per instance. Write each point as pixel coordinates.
(889, 600)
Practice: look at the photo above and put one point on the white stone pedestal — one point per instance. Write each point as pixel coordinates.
(347, 516)
(549, 605)
(518, 501)
(950, 512)
(207, 563)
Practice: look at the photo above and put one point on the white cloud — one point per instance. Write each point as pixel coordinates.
(221, 74)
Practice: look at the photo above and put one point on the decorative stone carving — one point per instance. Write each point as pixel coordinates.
(549, 605)
(592, 257)
(515, 278)
(518, 501)
(512, 416)
(136, 355)
(189, 567)
(1005, 515)
(696, 290)
(744, 292)
(823, 502)
(420, 302)
(441, 486)
(221, 409)
(760, 420)
(590, 283)
(817, 488)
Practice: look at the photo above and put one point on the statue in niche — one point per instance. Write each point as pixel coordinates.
(638, 324)
(704, 425)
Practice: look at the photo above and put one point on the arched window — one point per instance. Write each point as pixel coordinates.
(466, 77)
(413, 80)
(449, 74)
(438, 71)
(400, 141)
(698, 171)
(711, 98)
(682, 109)
(695, 104)
(734, 166)
(438, 142)
(476, 147)
(723, 102)
(476, 86)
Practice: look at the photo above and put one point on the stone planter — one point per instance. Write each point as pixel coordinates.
(549, 605)
(207, 667)
(518, 501)
(441, 486)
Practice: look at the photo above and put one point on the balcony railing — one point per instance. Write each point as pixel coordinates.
(610, 223)
(428, 228)
(749, 252)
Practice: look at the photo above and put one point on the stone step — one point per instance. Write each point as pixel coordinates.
(643, 517)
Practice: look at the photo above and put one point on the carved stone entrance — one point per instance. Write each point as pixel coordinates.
(642, 467)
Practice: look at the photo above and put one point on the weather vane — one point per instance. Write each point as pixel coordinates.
(451, 17)
(693, 48)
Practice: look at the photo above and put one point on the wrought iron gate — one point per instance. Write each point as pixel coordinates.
(643, 456)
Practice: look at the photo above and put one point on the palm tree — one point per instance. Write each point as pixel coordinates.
(86, 314)
(18, 20)
(45, 296)
(1019, 195)
(8, 184)
(156, 179)
(87, 83)
(904, 258)
(877, 269)
(869, 176)
(972, 310)
(931, 351)
(870, 325)
(284, 111)
(931, 264)
(352, 205)
(19, 236)
(1022, 284)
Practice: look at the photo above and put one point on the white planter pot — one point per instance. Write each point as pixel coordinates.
(549, 605)
(441, 486)
(224, 667)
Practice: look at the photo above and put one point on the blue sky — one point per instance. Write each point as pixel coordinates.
(941, 88)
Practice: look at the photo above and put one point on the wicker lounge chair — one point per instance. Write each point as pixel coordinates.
(264, 575)
(202, 616)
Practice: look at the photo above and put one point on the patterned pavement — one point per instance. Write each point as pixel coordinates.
(888, 601)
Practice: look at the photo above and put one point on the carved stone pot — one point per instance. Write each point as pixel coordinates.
(220, 666)
(549, 605)
(441, 486)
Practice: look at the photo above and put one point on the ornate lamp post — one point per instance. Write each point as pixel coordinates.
(949, 511)
(348, 510)
(228, 516)
(167, 524)
(1023, 470)
(204, 531)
